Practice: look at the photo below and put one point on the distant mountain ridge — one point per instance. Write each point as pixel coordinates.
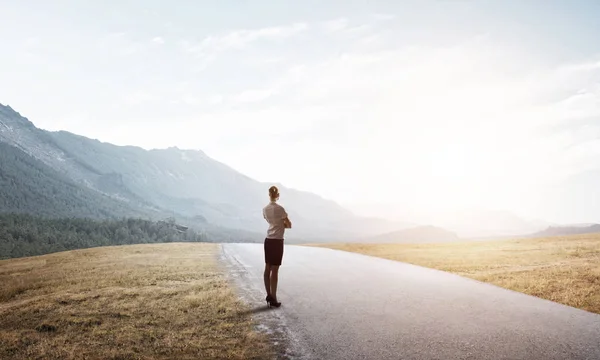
(186, 184)
(414, 235)
(466, 223)
(575, 229)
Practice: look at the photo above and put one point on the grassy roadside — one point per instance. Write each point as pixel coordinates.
(152, 301)
(561, 269)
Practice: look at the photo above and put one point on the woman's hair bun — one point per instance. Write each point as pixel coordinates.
(273, 191)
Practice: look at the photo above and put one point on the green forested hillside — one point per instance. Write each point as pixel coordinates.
(27, 235)
(29, 186)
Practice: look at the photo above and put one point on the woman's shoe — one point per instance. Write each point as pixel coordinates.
(268, 299)
(274, 303)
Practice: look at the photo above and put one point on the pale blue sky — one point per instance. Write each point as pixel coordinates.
(425, 105)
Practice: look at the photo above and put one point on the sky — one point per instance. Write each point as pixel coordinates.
(386, 107)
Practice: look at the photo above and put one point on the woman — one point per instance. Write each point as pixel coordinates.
(278, 221)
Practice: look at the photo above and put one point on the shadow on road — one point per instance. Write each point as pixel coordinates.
(256, 310)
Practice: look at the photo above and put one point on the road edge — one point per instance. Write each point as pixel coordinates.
(271, 322)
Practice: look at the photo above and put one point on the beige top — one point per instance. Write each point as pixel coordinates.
(275, 214)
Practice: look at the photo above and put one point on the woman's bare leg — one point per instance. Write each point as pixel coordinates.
(267, 277)
(274, 278)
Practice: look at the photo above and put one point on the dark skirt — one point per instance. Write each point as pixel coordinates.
(273, 251)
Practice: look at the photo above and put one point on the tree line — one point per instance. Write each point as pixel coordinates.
(27, 235)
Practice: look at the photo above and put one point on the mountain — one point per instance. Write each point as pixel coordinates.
(466, 223)
(488, 223)
(191, 183)
(29, 186)
(575, 229)
(415, 235)
(185, 184)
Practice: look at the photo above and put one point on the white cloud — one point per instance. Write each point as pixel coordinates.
(583, 67)
(255, 95)
(384, 17)
(454, 124)
(240, 39)
(215, 99)
(32, 42)
(460, 124)
(191, 99)
(120, 43)
(140, 97)
(336, 25)
(158, 40)
(345, 27)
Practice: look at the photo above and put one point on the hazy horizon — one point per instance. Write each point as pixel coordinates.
(391, 108)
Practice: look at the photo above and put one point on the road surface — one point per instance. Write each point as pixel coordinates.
(340, 305)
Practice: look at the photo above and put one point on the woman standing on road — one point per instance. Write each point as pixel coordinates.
(278, 221)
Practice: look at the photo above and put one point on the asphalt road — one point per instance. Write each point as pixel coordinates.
(339, 305)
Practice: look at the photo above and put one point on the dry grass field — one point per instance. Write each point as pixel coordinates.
(155, 301)
(561, 269)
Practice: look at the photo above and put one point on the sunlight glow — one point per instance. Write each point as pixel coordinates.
(424, 109)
